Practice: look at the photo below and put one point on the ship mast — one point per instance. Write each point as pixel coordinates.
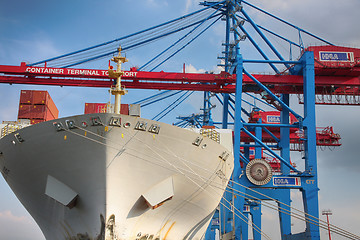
(118, 90)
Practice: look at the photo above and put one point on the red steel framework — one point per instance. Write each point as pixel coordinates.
(334, 78)
(325, 136)
(219, 83)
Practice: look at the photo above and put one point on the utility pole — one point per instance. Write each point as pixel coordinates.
(327, 213)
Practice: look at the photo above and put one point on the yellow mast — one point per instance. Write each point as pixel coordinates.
(118, 90)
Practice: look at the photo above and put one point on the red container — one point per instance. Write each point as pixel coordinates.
(24, 111)
(37, 111)
(95, 108)
(33, 97)
(41, 112)
(26, 97)
(103, 107)
(43, 98)
(89, 108)
(124, 109)
(52, 108)
(40, 97)
(35, 121)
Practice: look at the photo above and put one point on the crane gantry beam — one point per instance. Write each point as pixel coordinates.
(218, 83)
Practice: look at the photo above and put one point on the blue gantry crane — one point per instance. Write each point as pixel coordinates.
(252, 180)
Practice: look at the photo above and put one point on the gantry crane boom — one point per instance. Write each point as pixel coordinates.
(332, 78)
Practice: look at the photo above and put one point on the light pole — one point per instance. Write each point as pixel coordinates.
(327, 213)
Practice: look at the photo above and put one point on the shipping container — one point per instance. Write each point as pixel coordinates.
(104, 108)
(52, 108)
(44, 98)
(41, 112)
(24, 111)
(124, 109)
(40, 97)
(37, 98)
(26, 97)
(35, 121)
(95, 108)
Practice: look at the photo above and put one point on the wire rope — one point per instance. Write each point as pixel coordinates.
(172, 93)
(115, 40)
(270, 198)
(132, 40)
(176, 103)
(232, 205)
(323, 225)
(172, 165)
(335, 229)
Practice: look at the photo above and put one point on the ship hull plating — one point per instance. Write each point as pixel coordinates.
(108, 176)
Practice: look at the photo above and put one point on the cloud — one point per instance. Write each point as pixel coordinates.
(269, 219)
(30, 50)
(191, 69)
(8, 109)
(325, 18)
(157, 3)
(14, 227)
(188, 5)
(12, 218)
(38, 49)
(344, 157)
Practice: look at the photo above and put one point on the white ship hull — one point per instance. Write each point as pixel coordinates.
(89, 177)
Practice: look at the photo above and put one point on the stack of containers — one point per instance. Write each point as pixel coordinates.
(104, 108)
(37, 106)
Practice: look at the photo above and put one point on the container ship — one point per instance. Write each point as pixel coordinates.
(105, 176)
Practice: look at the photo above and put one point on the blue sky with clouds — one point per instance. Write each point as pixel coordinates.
(36, 30)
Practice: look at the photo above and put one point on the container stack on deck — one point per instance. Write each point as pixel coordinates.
(125, 109)
(105, 108)
(37, 106)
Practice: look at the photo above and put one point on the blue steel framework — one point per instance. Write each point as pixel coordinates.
(234, 225)
(232, 221)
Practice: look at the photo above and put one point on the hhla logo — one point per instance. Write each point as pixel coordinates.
(286, 181)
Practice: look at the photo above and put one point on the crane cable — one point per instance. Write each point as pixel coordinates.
(118, 39)
(132, 40)
(202, 178)
(94, 54)
(336, 229)
(324, 225)
(177, 168)
(309, 215)
(176, 103)
(182, 38)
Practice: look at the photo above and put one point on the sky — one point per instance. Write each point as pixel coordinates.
(36, 30)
